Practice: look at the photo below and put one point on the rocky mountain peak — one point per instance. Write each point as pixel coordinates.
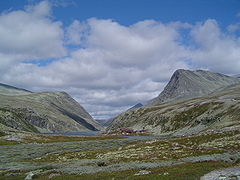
(189, 84)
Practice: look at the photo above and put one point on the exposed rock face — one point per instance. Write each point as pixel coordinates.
(17, 119)
(45, 112)
(217, 105)
(189, 84)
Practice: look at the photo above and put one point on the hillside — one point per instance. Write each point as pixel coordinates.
(11, 90)
(186, 84)
(220, 109)
(44, 112)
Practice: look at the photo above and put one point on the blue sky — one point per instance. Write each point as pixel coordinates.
(112, 54)
(127, 12)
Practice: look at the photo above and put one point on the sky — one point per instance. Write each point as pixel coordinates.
(110, 55)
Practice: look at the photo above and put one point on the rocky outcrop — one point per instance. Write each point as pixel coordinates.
(186, 84)
(19, 119)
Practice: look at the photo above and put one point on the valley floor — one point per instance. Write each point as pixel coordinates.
(40, 157)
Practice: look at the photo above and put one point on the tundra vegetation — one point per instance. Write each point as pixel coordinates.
(105, 157)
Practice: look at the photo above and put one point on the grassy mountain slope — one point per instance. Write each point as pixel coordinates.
(11, 90)
(43, 112)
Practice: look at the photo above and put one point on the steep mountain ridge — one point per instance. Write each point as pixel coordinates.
(188, 84)
(45, 112)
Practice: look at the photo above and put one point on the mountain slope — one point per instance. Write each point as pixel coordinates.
(45, 112)
(178, 114)
(11, 90)
(188, 84)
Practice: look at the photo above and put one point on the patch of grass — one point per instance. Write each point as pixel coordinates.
(188, 171)
(12, 175)
(199, 139)
(172, 149)
(184, 118)
(36, 138)
(68, 138)
(158, 151)
(6, 142)
(151, 151)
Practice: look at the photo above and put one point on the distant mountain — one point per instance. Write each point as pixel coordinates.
(188, 84)
(215, 104)
(43, 112)
(107, 122)
(11, 90)
(104, 122)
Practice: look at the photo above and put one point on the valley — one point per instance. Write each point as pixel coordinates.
(107, 157)
(190, 133)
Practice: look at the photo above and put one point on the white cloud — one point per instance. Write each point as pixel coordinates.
(216, 51)
(31, 34)
(233, 27)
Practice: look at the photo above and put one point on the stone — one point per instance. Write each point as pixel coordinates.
(29, 176)
(142, 172)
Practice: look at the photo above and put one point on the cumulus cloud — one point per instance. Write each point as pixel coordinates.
(112, 66)
(233, 27)
(216, 51)
(31, 34)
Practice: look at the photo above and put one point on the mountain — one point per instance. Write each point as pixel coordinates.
(11, 90)
(105, 122)
(43, 112)
(188, 84)
(217, 109)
